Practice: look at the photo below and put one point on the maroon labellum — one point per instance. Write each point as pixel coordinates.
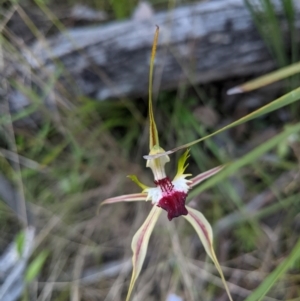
(172, 201)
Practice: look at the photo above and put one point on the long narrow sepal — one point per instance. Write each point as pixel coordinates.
(153, 134)
(204, 231)
(126, 198)
(139, 246)
(205, 175)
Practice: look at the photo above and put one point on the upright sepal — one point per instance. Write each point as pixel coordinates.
(139, 246)
(204, 231)
(153, 134)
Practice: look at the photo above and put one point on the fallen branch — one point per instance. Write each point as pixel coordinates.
(199, 43)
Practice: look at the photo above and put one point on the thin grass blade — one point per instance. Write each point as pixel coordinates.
(139, 246)
(204, 231)
(266, 79)
(247, 159)
(205, 175)
(272, 278)
(284, 100)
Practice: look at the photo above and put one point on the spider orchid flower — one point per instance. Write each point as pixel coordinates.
(169, 195)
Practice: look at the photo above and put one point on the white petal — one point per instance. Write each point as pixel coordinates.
(181, 184)
(154, 194)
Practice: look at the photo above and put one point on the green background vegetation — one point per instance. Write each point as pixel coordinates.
(75, 158)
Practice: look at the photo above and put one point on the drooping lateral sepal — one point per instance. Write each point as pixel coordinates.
(204, 231)
(139, 246)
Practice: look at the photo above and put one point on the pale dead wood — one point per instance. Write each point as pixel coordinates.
(199, 43)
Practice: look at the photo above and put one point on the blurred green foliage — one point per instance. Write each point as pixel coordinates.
(76, 157)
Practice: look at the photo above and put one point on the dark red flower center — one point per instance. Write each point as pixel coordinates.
(172, 201)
